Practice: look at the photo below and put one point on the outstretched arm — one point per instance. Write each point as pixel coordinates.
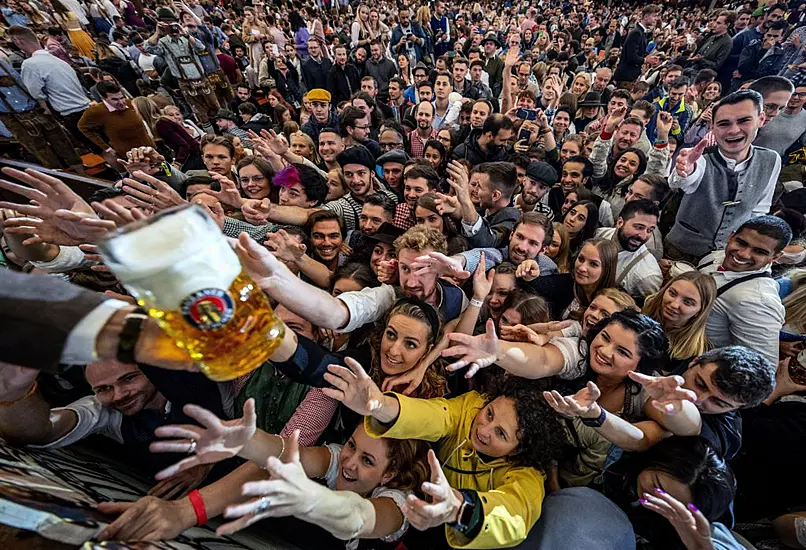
(307, 301)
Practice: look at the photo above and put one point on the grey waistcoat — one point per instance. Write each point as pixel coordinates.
(724, 200)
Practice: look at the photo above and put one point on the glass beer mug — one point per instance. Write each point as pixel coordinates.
(180, 267)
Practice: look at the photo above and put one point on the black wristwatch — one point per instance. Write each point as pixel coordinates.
(595, 422)
(132, 325)
(465, 513)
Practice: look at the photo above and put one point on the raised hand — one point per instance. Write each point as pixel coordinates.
(143, 159)
(115, 213)
(91, 254)
(259, 263)
(615, 119)
(215, 440)
(229, 194)
(522, 333)
(276, 143)
(256, 211)
(528, 270)
(475, 352)
(150, 193)
(46, 218)
(444, 504)
(288, 492)
(691, 525)
(284, 247)
(353, 387)
(511, 58)
(439, 264)
(582, 403)
(459, 180)
(213, 207)
(448, 205)
(687, 159)
(482, 281)
(664, 124)
(387, 271)
(667, 392)
(49, 193)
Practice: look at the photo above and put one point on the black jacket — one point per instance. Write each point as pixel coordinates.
(343, 82)
(471, 151)
(314, 75)
(632, 55)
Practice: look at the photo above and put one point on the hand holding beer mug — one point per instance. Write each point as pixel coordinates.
(180, 267)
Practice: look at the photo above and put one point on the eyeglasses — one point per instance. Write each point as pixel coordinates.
(367, 127)
(799, 94)
(390, 145)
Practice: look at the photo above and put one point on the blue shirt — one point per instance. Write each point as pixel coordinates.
(15, 18)
(48, 78)
(14, 96)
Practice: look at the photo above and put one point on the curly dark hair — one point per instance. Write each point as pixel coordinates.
(741, 373)
(541, 439)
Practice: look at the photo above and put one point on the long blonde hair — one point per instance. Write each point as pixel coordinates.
(795, 303)
(689, 340)
(148, 112)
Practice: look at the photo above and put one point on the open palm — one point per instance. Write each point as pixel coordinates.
(216, 439)
(477, 352)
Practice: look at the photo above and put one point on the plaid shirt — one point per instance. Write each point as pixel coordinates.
(416, 143)
(233, 228)
(404, 217)
(541, 208)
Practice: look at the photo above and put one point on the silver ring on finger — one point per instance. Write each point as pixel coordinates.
(263, 504)
(192, 448)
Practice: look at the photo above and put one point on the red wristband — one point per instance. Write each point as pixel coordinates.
(198, 506)
(606, 135)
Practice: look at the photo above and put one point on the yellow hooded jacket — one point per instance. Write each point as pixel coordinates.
(512, 496)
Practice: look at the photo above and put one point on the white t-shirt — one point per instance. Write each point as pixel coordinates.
(574, 353)
(398, 496)
(93, 418)
(146, 61)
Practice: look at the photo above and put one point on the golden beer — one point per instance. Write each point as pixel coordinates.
(180, 267)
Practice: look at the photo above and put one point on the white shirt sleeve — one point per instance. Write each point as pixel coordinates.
(79, 348)
(367, 305)
(332, 473)
(688, 184)
(471, 230)
(93, 418)
(574, 366)
(68, 259)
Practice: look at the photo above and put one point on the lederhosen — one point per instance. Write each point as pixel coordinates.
(38, 131)
(198, 92)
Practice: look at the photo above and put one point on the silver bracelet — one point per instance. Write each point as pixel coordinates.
(477, 303)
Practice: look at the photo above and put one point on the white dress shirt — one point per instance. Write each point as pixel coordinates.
(645, 276)
(749, 314)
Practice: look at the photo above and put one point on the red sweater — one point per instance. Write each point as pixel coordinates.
(176, 138)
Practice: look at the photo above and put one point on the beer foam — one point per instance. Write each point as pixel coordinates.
(178, 254)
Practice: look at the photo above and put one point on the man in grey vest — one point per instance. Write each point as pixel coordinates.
(725, 185)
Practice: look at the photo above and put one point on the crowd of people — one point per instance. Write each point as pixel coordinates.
(540, 264)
